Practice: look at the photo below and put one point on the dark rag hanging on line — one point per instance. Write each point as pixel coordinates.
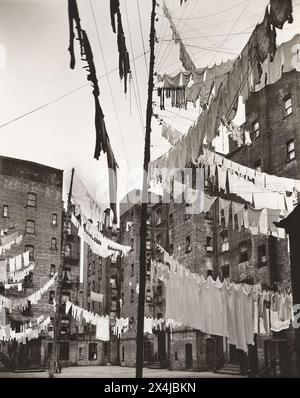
(124, 64)
(102, 139)
(280, 12)
(74, 16)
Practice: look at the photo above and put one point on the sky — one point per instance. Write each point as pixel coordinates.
(34, 41)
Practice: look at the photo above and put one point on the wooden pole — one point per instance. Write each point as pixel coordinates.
(58, 297)
(142, 276)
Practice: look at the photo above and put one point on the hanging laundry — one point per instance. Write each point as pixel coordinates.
(102, 328)
(238, 210)
(73, 17)
(19, 262)
(254, 218)
(280, 12)
(224, 207)
(265, 39)
(170, 134)
(124, 64)
(3, 274)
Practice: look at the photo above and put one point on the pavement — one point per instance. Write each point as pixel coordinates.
(116, 372)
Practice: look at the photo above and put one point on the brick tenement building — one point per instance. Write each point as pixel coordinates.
(79, 346)
(272, 116)
(130, 213)
(31, 204)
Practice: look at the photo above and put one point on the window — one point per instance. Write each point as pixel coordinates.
(132, 296)
(148, 221)
(209, 243)
(53, 244)
(158, 242)
(122, 274)
(208, 215)
(257, 165)
(262, 256)
(171, 219)
(224, 241)
(290, 150)
(80, 354)
(158, 217)
(54, 219)
(68, 253)
(5, 213)
(92, 351)
(122, 299)
(244, 255)
(288, 106)
(51, 296)
(132, 270)
(30, 249)
(148, 296)
(148, 245)
(188, 248)
(187, 214)
(52, 270)
(69, 227)
(131, 323)
(64, 351)
(255, 130)
(132, 244)
(171, 249)
(30, 227)
(31, 199)
(123, 354)
(225, 270)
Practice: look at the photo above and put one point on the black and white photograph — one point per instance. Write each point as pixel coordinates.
(149, 192)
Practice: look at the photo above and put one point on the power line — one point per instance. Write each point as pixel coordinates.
(215, 13)
(142, 35)
(63, 96)
(138, 103)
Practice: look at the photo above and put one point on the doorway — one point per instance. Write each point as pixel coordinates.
(188, 356)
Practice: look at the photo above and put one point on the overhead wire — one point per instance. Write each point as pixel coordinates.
(62, 96)
(138, 96)
(142, 35)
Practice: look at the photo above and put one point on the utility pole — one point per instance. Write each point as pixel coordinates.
(58, 298)
(142, 276)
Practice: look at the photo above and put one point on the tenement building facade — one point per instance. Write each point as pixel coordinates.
(31, 207)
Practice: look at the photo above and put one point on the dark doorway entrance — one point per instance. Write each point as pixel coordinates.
(161, 342)
(188, 356)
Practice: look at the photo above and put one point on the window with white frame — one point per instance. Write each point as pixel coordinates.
(224, 241)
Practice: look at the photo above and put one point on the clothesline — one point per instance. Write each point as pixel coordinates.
(8, 241)
(22, 303)
(27, 333)
(223, 107)
(235, 311)
(89, 232)
(101, 322)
